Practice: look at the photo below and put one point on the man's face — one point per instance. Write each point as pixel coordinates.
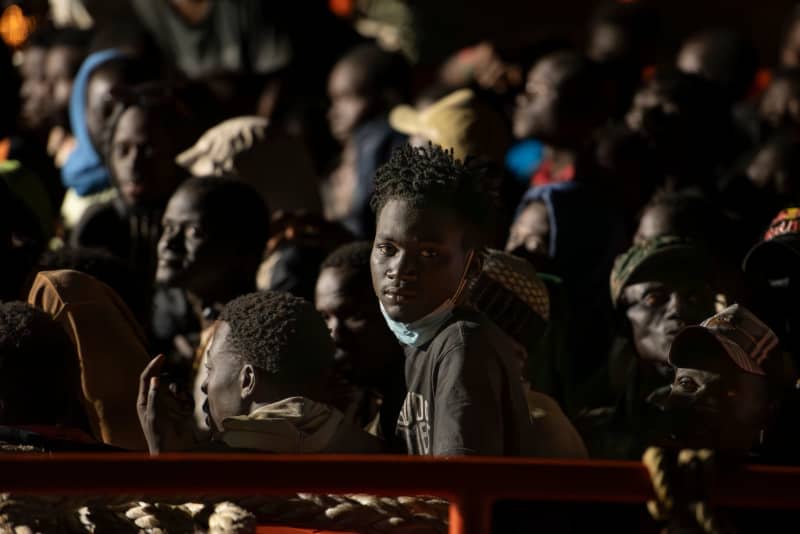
(223, 385)
(192, 252)
(418, 259)
(141, 161)
(349, 104)
(608, 42)
(35, 89)
(654, 115)
(529, 237)
(60, 68)
(537, 113)
(656, 221)
(351, 312)
(659, 308)
(99, 104)
(790, 53)
(717, 405)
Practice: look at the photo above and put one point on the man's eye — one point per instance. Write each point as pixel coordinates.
(653, 298)
(194, 231)
(687, 384)
(385, 249)
(428, 253)
(355, 322)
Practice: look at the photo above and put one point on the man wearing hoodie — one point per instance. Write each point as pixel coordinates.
(268, 364)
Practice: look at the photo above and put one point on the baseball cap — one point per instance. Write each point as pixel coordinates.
(778, 253)
(743, 336)
(459, 121)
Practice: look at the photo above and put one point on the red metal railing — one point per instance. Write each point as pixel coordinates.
(471, 484)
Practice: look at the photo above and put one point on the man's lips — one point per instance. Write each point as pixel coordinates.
(398, 294)
(172, 262)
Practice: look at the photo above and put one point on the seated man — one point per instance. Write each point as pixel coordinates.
(214, 233)
(268, 364)
(369, 360)
(725, 393)
(39, 384)
(464, 386)
(658, 287)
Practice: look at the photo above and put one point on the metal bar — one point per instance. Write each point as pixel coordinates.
(453, 478)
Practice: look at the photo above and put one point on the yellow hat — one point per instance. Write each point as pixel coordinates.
(458, 121)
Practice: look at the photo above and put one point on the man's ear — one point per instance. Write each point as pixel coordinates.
(476, 266)
(247, 380)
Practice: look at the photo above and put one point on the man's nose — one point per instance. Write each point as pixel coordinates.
(407, 266)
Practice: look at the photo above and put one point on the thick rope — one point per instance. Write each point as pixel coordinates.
(695, 470)
(363, 513)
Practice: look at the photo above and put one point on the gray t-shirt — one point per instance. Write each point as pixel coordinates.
(465, 393)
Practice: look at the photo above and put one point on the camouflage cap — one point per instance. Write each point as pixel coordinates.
(629, 265)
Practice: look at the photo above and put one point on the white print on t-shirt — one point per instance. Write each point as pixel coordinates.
(414, 424)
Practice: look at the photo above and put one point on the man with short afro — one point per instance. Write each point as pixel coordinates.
(267, 363)
(464, 389)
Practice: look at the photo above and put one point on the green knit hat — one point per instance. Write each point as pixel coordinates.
(637, 261)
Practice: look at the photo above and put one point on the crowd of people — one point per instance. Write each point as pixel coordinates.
(218, 234)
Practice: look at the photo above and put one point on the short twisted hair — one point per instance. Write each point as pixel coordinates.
(432, 177)
(352, 256)
(280, 334)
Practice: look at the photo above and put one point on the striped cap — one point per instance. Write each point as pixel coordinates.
(511, 294)
(747, 340)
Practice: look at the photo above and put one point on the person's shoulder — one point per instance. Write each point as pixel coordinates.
(470, 328)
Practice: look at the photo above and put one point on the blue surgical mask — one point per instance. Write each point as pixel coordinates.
(421, 331)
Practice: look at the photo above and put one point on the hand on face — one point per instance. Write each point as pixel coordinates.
(164, 414)
(418, 259)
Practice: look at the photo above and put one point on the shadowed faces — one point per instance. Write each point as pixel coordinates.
(418, 258)
(347, 302)
(715, 404)
(141, 161)
(659, 308)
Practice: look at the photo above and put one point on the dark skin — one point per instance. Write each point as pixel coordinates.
(656, 221)
(350, 103)
(35, 89)
(196, 253)
(660, 307)
(547, 110)
(365, 347)
(61, 65)
(780, 104)
(99, 103)
(790, 52)
(141, 160)
(418, 258)
(529, 236)
(233, 387)
(714, 403)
